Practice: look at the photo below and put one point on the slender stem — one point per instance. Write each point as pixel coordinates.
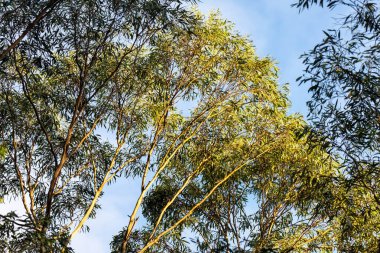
(195, 207)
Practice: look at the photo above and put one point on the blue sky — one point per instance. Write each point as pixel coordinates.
(277, 31)
(280, 32)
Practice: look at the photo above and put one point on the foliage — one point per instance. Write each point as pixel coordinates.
(282, 186)
(98, 90)
(230, 86)
(343, 75)
(42, 28)
(248, 149)
(60, 87)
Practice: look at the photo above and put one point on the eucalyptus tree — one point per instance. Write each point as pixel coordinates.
(343, 75)
(55, 25)
(230, 88)
(127, 69)
(60, 63)
(129, 81)
(237, 143)
(19, 18)
(272, 205)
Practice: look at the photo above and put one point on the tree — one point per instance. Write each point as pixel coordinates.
(271, 206)
(247, 147)
(24, 25)
(232, 88)
(58, 89)
(343, 75)
(55, 25)
(125, 69)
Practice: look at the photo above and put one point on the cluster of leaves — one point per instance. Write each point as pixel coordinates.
(271, 204)
(343, 75)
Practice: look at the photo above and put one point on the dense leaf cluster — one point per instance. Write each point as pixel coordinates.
(343, 75)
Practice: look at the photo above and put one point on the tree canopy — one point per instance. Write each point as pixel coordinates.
(343, 77)
(95, 91)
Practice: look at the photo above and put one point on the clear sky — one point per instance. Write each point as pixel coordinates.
(278, 31)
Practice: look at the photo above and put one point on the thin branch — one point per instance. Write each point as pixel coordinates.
(184, 218)
(41, 15)
(184, 185)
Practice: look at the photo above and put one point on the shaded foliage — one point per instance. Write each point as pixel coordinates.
(343, 77)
